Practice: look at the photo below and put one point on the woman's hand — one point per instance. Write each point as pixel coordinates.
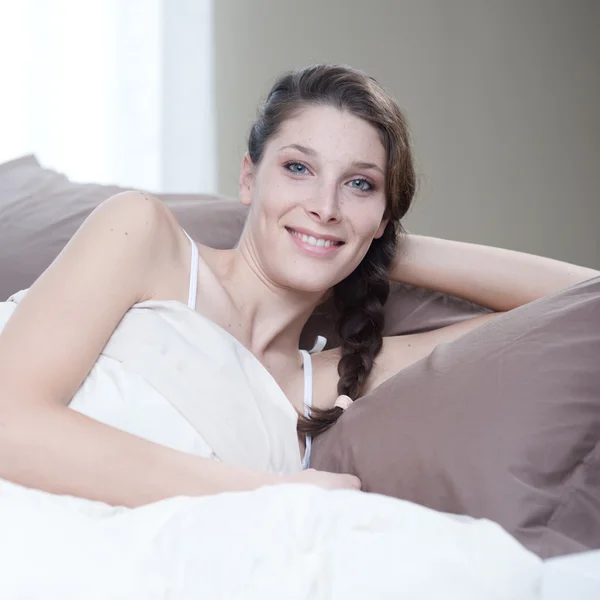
(324, 479)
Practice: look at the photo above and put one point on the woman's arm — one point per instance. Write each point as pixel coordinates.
(492, 277)
(52, 341)
(59, 450)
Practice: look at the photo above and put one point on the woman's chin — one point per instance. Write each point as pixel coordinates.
(310, 284)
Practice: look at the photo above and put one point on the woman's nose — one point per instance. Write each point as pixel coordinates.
(325, 205)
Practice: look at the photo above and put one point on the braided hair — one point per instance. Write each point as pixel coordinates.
(359, 299)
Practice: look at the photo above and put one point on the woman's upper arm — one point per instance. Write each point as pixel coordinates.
(58, 330)
(401, 351)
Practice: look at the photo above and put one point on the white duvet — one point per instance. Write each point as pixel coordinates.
(280, 542)
(172, 376)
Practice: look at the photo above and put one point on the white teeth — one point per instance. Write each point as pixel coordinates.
(313, 241)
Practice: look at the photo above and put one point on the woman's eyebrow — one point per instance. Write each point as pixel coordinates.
(366, 165)
(312, 152)
(303, 149)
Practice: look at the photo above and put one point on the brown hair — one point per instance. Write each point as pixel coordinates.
(359, 299)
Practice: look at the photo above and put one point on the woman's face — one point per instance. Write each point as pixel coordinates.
(317, 199)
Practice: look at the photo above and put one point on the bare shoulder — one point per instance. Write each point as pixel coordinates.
(145, 233)
(397, 353)
(135, 214)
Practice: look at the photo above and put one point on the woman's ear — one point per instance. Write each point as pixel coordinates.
(246, 178)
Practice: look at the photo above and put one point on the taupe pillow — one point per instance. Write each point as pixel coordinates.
(409, 309)
(502, 423)
(41, 209)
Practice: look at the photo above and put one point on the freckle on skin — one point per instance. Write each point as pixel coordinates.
(126, 233)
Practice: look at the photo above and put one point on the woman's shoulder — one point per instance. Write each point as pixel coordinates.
(140, 224)
(141, 213)
(151, 231)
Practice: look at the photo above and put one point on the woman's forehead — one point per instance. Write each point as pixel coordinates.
(328, 132)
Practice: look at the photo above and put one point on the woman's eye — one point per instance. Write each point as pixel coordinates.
(361, 184)
(297, 168)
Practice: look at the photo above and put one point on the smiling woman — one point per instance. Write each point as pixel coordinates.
(138, 347)
(142, 366)
(327, 176)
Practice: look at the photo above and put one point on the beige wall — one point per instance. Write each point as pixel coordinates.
(502, 98)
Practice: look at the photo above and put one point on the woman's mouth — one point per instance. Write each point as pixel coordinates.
(314, 244)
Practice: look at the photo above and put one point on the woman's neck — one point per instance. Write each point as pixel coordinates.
(272, 317)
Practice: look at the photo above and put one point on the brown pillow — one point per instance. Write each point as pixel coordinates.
(41, 209)
(409, 309)
(502, 423)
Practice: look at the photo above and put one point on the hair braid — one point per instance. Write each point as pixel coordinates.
(359, 300)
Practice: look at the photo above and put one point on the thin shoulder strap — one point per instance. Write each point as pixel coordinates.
(320, 344)
(193, 289)
(308, 399)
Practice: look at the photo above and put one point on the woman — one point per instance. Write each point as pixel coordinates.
(328, 176)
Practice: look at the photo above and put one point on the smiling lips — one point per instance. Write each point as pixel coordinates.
(313, 244)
